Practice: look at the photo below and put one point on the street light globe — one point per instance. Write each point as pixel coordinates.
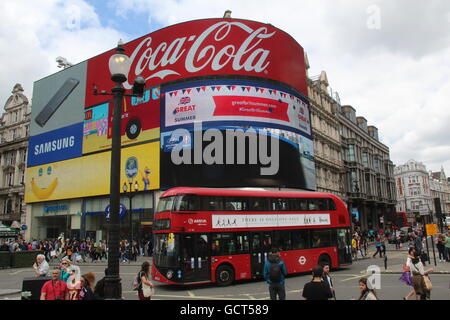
(119, 64)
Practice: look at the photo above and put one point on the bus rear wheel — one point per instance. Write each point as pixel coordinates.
(324, 259)
(224, 275)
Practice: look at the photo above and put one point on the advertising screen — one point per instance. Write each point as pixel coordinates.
(262, 117)
(140, 122)
(71, 127)
(89, 175)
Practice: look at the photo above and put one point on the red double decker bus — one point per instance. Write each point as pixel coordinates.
(204, 235)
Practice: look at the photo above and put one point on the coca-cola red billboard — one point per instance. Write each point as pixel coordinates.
(206, 47)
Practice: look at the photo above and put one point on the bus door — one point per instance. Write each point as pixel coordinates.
(344, 246)
(196, 257)
(261, 246)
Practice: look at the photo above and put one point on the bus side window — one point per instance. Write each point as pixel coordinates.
(331, 205)
(259, 204)
(282, 240)
(242, 243)
(313, 205)
(235, 204)
(212, 203)
(302, 204)
(321, 238)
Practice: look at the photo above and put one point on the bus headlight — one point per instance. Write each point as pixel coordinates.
(169, 274)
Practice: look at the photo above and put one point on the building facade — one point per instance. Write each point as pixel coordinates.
(369, 172)
(326, 137)
(14, 131)
(440, 192)
(414, 191)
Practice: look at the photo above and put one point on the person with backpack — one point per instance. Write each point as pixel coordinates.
(274, 273)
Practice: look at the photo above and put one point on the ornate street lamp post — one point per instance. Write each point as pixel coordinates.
(119, 66)
(131, 194)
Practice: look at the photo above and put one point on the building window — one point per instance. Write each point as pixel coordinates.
(365, 160)
(351, 153)
(7, 207)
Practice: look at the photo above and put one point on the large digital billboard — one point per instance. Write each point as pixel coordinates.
(70, 134)
(252, 112)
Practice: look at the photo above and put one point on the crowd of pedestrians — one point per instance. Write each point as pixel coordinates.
(79, 250)
(67, 281)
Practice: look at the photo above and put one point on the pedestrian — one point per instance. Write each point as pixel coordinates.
(440, 245)
(41, 267)
(65, 268)
(150, 247)
(354, 247)
(104, 250)
(364, 242)
(123, 252)
(418, 274)
(74, 282)
(407, 273)
(54, 289)
(100, 286)
(144, 282)
(87, 287)
(377, 246)
(317, 289)
(328, 280)
(365, 292)
(417, 238)
(274, 273)
(359, 247)
(383, 244)
(447, 247)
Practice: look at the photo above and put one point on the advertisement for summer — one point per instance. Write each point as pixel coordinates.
(236, 102)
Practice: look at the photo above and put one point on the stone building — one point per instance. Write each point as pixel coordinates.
(369, 172)
(413, 191)
(14, 131)
(326, 138)
(440, 193)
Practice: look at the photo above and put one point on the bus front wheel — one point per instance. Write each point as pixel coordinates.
(224, 275)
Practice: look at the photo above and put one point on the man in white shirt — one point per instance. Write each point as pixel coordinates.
(41, 267)
(327, 279)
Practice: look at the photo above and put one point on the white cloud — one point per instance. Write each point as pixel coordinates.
(34, 33)
(396, 76)
(388, 59)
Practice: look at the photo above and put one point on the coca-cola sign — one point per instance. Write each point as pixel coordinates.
(207, 47)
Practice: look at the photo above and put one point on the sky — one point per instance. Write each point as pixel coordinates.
(389, 59)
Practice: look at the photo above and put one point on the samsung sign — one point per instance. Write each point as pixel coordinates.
(61, 144)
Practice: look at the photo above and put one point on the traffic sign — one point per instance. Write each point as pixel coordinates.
(122, 211)
(431, 229)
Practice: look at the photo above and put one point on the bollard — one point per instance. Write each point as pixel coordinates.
(385, 262)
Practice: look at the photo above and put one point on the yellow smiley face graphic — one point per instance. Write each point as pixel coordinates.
(45, 177)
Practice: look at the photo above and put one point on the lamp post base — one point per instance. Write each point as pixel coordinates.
(113, 288)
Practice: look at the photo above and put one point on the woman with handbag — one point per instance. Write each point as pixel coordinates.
(421, 286)
(145, 290)
(407, 274)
